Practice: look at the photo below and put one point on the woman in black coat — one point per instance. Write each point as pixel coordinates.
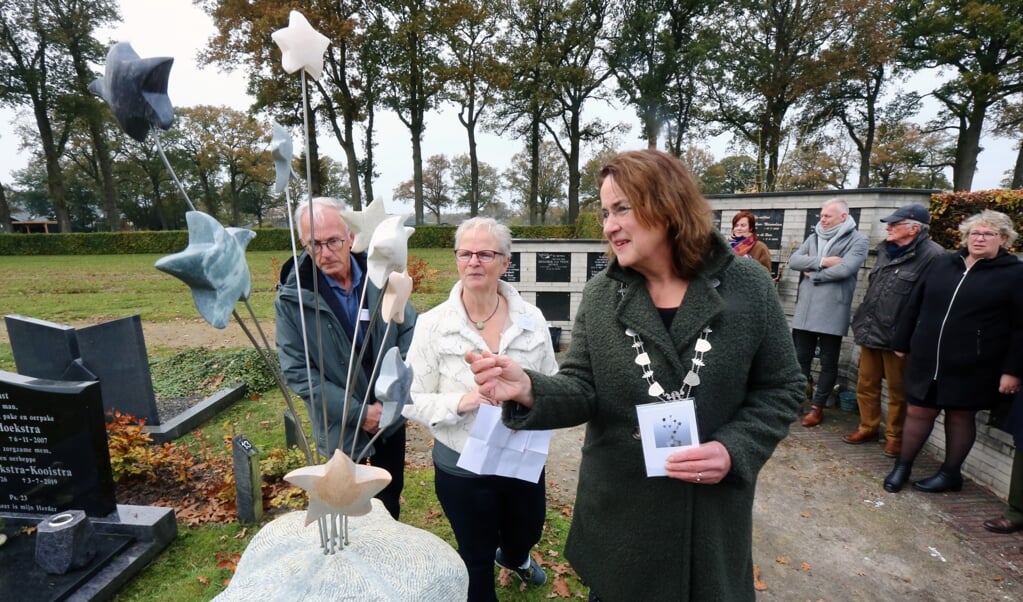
(965, 347)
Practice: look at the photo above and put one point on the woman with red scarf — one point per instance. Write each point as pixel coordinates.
(744, 239)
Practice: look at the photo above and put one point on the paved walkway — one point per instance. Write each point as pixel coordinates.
(825, 529)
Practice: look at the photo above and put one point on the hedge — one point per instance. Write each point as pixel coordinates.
(948, 210)
(172, 241)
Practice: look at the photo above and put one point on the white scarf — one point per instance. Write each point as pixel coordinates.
(832, 234)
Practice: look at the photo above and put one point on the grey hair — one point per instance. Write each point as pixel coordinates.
(319, 202)
(500, 232)
(912, 222)
(837, 201)
(995, 219)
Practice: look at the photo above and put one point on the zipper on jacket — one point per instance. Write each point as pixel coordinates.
(941, 331)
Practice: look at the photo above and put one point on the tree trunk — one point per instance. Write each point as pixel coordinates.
(1017, 171)
(313, 158)
(967, 149)
(417, 164)
(534, 169)
(5, 212)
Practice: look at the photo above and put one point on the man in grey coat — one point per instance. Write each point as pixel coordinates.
(828, 260)
(902, 260)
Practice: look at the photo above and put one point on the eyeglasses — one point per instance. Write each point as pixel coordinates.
(334, 244)
(618, 211)
(986, 235)
(465, 256)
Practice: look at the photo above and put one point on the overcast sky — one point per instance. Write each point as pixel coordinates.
(178, 29)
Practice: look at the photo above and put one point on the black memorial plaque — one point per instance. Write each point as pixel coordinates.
(814, 216)
(555, 306)
(553, 267)
(595, 264)
(717, 219)
(512, 274)
(770, 223)
(53, 447)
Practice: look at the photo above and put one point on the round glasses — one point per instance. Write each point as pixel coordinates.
(465, 256)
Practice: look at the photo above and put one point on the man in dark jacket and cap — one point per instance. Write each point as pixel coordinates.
(902, 259)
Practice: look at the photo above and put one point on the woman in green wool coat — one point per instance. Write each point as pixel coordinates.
(674, 316)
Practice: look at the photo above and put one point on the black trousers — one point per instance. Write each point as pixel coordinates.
(389, 454)
(491, 512)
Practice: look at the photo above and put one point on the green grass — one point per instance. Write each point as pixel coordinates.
(69, 289)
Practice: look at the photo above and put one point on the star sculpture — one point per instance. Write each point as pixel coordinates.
(302, 47)
(212, 265)
(136, 90)
(281, 149)
(399, 287)
(339, 486)
(388, 249)
(392, 386)
(364, 223)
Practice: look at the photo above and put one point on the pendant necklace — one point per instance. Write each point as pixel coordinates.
(480, 325)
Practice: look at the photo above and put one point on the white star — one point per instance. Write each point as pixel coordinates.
(399, 287)
(302, 47)
(388, 250)
(363, 223)
(339, 486)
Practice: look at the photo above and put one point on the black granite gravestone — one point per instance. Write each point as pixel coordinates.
(114, 353)
(513, 273)
(54, 460)
(53, 447)
(770, 223)
(555, 306)
(553, 267)
(595, 264)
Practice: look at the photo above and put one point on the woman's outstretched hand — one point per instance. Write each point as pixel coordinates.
(500, 378)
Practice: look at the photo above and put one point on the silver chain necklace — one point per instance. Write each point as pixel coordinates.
(692, 379)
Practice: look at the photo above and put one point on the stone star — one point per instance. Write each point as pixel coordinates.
(302, 47)
(388, 249)
(281, 149)
(339, 486)
(212, 265)
(364, 223)
(392, 386)
(399, 287)
(136, 90)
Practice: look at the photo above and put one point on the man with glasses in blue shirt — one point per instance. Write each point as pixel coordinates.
(321, 318)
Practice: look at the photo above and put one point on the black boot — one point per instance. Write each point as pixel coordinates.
(943, 480)
(898, 476)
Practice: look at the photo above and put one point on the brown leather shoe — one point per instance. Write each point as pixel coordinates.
(1002, 525)
(814, 416)
(892, 448)
(859, 437)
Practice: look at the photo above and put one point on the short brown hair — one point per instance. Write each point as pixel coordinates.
(660, 190)
(750, 219)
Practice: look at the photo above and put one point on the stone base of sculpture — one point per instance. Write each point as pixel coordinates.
(385, 560)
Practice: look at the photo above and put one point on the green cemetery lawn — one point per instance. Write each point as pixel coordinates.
(78, 290)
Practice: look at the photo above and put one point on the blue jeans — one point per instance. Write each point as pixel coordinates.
(831, 346)
(487, 513)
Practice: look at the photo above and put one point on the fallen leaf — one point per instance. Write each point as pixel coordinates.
(805, 514)
(204, 580)
(805, 566)
(758, 585)
(781, 560)
(242, 534)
